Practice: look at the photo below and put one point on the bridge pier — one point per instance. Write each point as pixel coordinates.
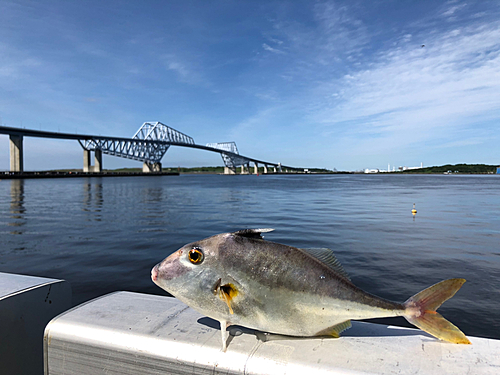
(228, 170)
(98, 160)
(255, 168)
(265, 168)
(87, 164)
(16, 153)
(151, 167)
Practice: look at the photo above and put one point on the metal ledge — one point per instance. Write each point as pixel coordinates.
(27, 304)
(130, 333)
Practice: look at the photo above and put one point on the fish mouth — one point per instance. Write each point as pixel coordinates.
(154, 273)
(168, 269)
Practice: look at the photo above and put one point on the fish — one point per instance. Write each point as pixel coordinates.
(239, 278)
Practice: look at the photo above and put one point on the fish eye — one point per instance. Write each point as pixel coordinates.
(195, 256)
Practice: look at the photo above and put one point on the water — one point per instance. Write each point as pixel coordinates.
(105, 234)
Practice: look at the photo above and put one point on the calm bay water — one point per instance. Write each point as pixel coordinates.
(105, 234)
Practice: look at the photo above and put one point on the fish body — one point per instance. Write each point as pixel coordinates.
(239, 278)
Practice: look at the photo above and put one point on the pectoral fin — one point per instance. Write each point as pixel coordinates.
(226, 293)
(223, 295)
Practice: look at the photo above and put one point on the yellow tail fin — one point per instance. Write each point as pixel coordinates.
(421, 311)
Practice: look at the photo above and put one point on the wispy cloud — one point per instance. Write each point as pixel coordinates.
(183, 69)
(411, 94)
(418, 91)
(451, 12)
(339, 29)
(15, 63)
(329, 37)
(254, 124)
(267, 47)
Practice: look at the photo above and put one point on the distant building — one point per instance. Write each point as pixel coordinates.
(498, 170)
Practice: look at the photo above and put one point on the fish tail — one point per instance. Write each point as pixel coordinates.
(420, 310)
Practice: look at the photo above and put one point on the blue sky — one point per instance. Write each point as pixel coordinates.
(334, 84)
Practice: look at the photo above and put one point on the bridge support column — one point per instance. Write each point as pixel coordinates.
(16, 153)
(265, 169)
(98, 160)
(87, 161)
(228, 170)
(151, 167)
(255, 168)
(242, 168)
(274, 169)
(87, 166)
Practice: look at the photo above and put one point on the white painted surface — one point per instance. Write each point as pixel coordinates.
(130, 333)
(11, 283)
(27, 304)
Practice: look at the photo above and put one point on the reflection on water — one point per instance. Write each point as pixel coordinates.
(93, 198)
(17, 208)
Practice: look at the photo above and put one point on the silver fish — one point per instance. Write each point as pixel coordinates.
(239, 278)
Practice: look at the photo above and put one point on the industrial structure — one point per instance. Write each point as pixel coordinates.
(149, 144)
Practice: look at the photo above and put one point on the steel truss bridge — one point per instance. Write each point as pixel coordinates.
(149, 144)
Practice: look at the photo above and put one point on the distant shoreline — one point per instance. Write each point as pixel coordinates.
(448, 169)
(456, 169)
(443, 169)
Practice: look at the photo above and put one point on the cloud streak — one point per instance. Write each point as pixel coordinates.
(400, 96)
(426, 92)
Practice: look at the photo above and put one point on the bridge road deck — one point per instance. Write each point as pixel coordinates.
(112, 143)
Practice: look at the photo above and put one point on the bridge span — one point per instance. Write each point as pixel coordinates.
(149, 144)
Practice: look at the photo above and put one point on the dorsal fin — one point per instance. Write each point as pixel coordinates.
(327, 257)
(252, 233)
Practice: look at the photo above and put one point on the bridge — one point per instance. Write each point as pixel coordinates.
(149, 144)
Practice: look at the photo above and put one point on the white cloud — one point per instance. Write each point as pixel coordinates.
(277, 41)
(15, 64)
(339, 30)
(254, 124)
(271, 49)
(184, 70)
(453, 9)
(412, 95)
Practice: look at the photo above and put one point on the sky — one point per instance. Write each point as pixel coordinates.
(328, 84)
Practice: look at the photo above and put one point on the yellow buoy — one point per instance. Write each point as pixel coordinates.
(414, 211)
